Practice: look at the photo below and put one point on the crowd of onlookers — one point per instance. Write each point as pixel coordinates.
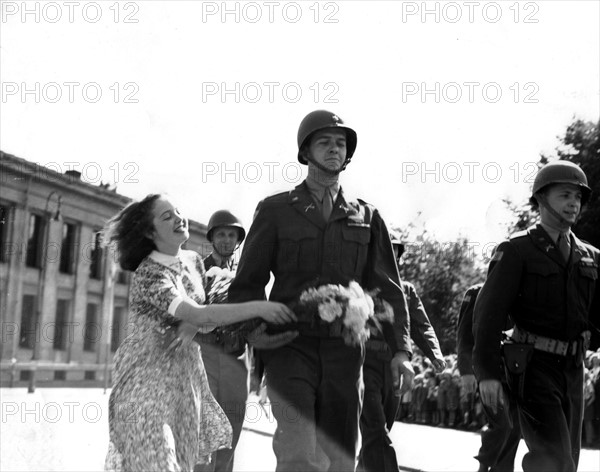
(437, 399)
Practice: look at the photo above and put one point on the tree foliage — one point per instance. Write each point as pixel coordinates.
(581, 145)
(441, 273)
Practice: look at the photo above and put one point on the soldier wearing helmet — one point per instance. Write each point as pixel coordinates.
(225, 233)
(546, 278)
(380, 401)
(226, 371)
(311, 236)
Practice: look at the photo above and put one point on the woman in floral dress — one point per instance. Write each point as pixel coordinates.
(162, 416)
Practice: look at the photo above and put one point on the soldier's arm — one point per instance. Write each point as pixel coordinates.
(382, 274)
(254, 269)
(421, 331)
(464, 334)
(492, 307)
(594, 316)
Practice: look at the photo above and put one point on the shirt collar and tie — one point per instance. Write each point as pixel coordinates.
(562, 240)
(324, 195)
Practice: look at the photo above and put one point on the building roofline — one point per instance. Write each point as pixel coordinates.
(44, 174)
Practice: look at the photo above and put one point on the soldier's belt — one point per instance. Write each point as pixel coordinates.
(214, 337)
(376, 345)
(553, 346)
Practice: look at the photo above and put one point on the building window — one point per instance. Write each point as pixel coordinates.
(92, 330)
(89, 375)
(96, 262)
(4, 238)
(123, 277)
(67, 249)
(35, 241)
(118, 328)
(27, 333)
(61, 328)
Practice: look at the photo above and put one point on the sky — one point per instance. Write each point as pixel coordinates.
(453, 102)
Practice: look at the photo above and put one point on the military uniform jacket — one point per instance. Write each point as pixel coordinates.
(421, 331)
(464, 332)
(290, 238)
(544, 295)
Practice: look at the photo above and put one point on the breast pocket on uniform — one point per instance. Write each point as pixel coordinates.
(355, 248)
(543, 284)
(298, 248)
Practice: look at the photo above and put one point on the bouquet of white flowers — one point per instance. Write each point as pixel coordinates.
(218, 282)
(349, 310)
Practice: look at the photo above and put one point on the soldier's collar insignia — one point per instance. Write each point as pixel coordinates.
(310, 206)
(344, 208)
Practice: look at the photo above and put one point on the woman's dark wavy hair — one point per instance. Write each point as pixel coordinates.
(128, 232)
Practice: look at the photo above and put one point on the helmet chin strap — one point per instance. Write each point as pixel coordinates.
(541, 198)
(327, 170)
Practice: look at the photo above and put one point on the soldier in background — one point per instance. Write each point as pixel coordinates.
(222, 352)
(381, 401)
(500, 441)
(546, 279)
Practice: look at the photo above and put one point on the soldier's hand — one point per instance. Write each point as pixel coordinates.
(184, 335)
(468, 383)
(402, 373)
(492, 394)
(439, 364)
(260, 339)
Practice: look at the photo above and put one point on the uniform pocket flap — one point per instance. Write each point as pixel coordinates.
(297, 233)
(360, 233)
(589, 271)
(542, 268)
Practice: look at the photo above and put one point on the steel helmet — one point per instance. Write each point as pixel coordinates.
(223, 218)
(322, 119)
(562, 172)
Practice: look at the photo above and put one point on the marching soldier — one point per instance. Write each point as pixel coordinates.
(546, 279)
(221, 351)
(311, 236)
(499, 443)
(381, 402)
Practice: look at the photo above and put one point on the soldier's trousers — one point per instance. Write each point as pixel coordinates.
(315, 387)
(227, 377)
(379, 411)
(551, 411)
(500, 442)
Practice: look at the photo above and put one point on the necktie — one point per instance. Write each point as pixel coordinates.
(563, 246)
(327, 204)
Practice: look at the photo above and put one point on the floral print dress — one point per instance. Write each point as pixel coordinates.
(162, 415)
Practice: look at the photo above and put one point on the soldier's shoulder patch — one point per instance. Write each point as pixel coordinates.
(497, 256)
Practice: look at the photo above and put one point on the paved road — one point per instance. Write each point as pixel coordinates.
(66, 430)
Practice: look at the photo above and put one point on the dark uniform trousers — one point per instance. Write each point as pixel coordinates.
(378, 415)
(500, 441)
(315, 382)
(381, 403)
(551, 411)
(550, 297)
(227, 378)
(315, 388)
